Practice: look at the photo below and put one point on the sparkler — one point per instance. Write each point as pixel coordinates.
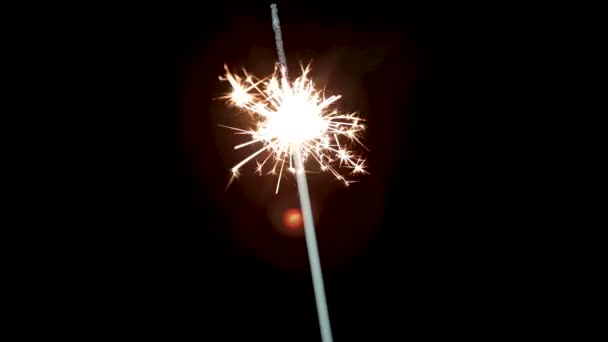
(294, 122)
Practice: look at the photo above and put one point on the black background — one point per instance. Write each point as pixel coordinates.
(178, 261)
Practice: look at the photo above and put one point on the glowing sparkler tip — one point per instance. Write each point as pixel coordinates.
(294, 117)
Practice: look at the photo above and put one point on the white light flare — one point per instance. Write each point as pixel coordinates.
(291, 117)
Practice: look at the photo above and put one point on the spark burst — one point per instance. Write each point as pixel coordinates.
(291, 119)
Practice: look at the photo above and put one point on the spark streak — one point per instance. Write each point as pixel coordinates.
(294, 117)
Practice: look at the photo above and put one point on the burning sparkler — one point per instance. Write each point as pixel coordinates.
(292, 118)
(293, 121)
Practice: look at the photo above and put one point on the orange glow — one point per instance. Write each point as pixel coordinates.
(292, 218)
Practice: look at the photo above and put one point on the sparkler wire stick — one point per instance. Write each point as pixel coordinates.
(309, 228)
(278, 38)
(313, 253)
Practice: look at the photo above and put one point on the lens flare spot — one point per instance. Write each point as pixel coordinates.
(292, 219)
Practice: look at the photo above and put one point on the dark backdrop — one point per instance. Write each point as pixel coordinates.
(191, 259)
